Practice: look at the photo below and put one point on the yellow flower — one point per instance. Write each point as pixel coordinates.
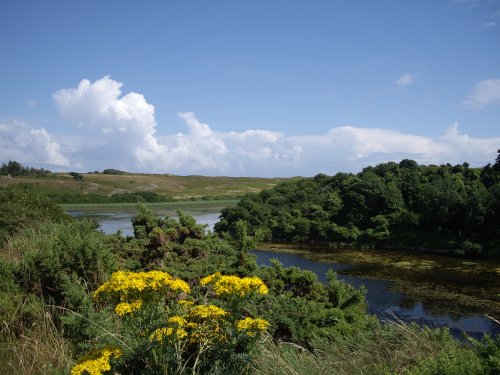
(179, 286)
(124, 308)
(159, 333)
(252, 326)
(207, 312)
(179, 320)
(123, 283)
(234, 285)
(95, 363)
(209, 279)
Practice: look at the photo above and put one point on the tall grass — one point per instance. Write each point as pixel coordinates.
(33, 350)
(395, 348)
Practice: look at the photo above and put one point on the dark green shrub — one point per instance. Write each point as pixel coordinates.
(21, 208)
(62, 263)
(57, 252)
(300, 308)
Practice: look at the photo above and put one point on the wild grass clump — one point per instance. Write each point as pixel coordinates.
(393, 348)
(34, 350)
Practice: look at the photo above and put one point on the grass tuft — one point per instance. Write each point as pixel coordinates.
(395, 348)
(38, 349)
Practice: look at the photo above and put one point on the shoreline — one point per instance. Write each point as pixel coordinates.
(163, 205)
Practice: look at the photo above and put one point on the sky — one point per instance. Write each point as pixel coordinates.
(265, 88)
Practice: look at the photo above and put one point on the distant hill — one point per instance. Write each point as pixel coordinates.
(119, 182)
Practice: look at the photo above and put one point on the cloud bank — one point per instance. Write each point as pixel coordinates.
(111, 130)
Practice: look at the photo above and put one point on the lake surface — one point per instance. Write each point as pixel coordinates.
(400, 285)
(119, 220)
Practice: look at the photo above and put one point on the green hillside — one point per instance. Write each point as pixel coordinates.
(176, 187)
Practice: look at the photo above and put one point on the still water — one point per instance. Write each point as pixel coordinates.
(399, 285)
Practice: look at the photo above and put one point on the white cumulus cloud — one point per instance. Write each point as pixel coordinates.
(114, 131)
(34, 147)
(484, 94)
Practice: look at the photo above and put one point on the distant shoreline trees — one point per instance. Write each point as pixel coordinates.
(448, 207)
(14, 169)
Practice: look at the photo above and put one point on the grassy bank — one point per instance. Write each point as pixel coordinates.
(161, 205)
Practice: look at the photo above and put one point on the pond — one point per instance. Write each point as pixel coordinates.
(111, 221)
(429, 289)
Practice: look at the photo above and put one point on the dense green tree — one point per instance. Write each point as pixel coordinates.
(14, 169)
(452, 207)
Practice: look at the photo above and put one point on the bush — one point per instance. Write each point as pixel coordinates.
(58, 255)
(166, 328)
(21, 208)
(62, 263)
(300, 308)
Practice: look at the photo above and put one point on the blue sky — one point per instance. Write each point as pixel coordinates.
(261, 88)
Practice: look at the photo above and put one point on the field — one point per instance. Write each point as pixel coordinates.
(178, 187)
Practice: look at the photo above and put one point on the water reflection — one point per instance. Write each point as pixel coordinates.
(383, 298)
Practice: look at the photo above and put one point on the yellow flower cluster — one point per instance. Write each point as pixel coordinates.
(177, 329)
(210, 278)
(95, 363)
(194, 326)
(206, 312)
(159, 333)
(179, 320)
(234, 285)
(124, 308)
(201, 323)
(124, 283)
(252, 326)
(206, 322)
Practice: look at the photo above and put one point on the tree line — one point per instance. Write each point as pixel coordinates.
(14, 169)
(447, 207)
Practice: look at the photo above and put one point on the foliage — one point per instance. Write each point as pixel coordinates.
(113, 171)
(454, 208)
(34, 349)
(14, 169)
(58, 254)
(76, 176)
(489, 351)
(300, 308)
(22, 207)
(62, 263)
(167, 333)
